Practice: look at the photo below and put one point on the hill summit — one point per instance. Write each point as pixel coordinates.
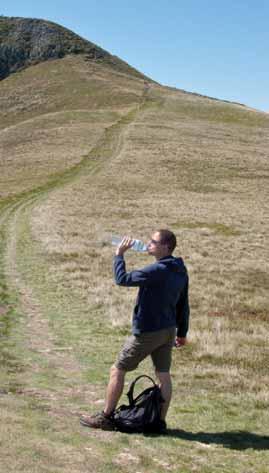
(28, 41)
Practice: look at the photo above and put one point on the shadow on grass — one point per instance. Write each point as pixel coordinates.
(237, 439)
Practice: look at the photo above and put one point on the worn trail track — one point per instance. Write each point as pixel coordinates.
(37, 332)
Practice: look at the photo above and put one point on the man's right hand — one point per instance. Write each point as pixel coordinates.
(125, 245)
(180, 341)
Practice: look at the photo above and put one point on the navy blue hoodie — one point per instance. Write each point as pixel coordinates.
(162, 299)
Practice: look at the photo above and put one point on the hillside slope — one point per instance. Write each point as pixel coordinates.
(88, 150)
(53, 113)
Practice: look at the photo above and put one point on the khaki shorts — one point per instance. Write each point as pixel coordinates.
(157, 344)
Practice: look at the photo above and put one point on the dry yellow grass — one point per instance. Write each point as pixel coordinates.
(207, 182)
(163, 158)
(186, 175)
(52, 115)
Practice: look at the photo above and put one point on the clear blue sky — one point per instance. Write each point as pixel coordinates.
(217, 48)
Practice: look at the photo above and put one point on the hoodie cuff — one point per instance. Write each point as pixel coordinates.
(118, 257)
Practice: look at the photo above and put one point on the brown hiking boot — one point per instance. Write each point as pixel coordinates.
(97, 421)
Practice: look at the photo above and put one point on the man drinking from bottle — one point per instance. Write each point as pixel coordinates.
(160, 321)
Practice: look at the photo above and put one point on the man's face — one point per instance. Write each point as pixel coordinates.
(156, 248)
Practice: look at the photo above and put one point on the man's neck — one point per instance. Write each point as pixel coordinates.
(163, 256)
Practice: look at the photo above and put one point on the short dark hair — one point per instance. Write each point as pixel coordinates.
(168, 238)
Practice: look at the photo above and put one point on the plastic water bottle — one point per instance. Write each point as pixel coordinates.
(137, 245)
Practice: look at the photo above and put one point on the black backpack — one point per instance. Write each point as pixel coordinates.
(143, 413)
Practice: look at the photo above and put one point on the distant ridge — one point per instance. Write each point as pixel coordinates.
(28, 41)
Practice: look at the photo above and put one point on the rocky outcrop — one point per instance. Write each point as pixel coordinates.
(24, 42)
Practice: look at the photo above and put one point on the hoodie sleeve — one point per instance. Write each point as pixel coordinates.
(143, 277)
(183, 312)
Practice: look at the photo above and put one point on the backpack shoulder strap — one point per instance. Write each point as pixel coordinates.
(130, 393)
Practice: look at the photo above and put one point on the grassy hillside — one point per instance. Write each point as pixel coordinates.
(54, 113)
(88, 151)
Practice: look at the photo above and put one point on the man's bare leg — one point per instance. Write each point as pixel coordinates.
(166, 390)
(114, 389)
(102, 420)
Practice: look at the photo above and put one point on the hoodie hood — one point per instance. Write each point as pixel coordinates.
(175, 264)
